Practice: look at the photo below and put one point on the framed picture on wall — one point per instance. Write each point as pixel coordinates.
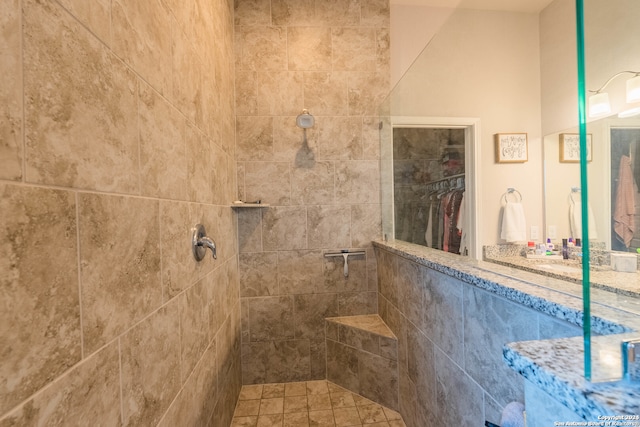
(511, 147)
(570, 148)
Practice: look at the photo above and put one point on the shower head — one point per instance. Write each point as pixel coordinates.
(305, 120)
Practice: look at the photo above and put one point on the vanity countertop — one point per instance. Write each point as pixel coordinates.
(555, 366)
(602, 277)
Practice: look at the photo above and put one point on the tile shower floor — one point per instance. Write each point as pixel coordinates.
(309, 404)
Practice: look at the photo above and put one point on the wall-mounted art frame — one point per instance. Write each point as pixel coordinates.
(511, 147)
(570, 148)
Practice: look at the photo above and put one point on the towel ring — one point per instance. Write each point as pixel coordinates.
(574, 190)
(511, 191)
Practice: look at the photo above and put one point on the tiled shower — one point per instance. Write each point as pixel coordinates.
(122, 125)
(332, 58)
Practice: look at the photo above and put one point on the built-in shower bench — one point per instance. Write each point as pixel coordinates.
(362, 356)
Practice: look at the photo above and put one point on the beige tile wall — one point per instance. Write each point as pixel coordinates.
(116, 137)
(332, 58)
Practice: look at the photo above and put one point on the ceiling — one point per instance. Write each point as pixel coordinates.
(532, 6)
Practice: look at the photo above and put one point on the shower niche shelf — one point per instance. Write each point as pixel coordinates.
(243, 205)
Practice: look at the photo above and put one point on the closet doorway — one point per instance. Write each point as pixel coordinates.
(431, 204)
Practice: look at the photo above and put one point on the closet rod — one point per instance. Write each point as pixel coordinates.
(460, 175)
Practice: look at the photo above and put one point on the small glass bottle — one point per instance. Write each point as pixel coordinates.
(565, 249)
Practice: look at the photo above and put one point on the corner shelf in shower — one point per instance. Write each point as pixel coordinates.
(249, 205)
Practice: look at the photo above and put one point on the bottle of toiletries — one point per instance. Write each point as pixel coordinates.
(565, 249)
(550, 245)
(578, 242)
(541, 249)
(570, 242)
(531, 248)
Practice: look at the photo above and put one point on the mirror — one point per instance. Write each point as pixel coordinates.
(611, 47)
(611, 138)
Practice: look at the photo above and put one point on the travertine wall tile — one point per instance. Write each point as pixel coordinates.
(120, 231)
(421, 372)
(310, 311)
(354, 303)
(366, 224)
(366, 92)
(163, 159)
(453, 382)
(309, 48)
(341, 138)
(300, 272)
(318, 359)
(271, 318)
(250, 230)
(291, 142)
(261, 48)
(326, 93)
(484, 315)
(10, 92)
(357, 182)
(81, 127)
(41, 311)
(449, 349)
(228, 352)
(255, 138)
(271, 361)
(375, 13)
(142, 38)
(334, 279)
(313, 186)
(179, 268)
(269, 182)
(284, 228)
(222, 175)
(246, 93)
(195, 403)
(194, 327)
(187, 74)
(339, 12)
(155, 324)
(200, 183)
(342, 365)
(151, 366)
(252, 12)
(223, 225)
(413, 294)
(383, 47)
(379, 388)
(95, 14)
(334, 62)
(258, 274)
(370, 138)
(280, 92)
(329, 226)
(443, 314)
(354, 49)
(293, 12)
(217, 284)
(89, 391)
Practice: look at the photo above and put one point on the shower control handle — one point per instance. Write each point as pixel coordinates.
(200, 242)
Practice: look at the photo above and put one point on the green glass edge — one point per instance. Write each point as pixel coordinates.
(584, 193)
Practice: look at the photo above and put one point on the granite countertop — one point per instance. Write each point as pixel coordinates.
(555, 366)
(602, 277)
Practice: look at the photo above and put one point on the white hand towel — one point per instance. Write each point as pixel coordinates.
(575, 218)
(514, 225)
(513, 415)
